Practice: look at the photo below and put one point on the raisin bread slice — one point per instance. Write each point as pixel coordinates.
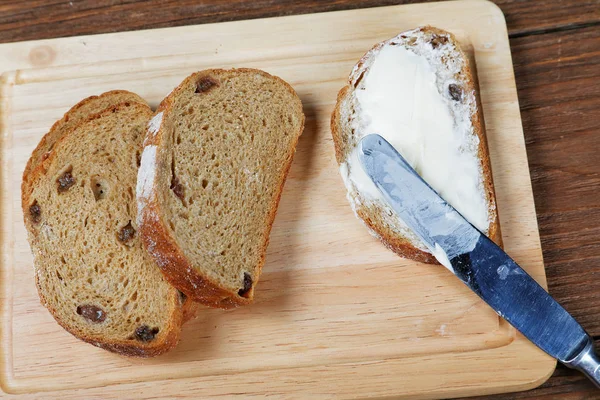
(453, 86)
(91, 270)
(73, 117)
(215, 160)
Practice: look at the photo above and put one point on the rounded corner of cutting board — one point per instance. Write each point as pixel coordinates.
(487, 7)
(495, 10)
(6, 386)
(542, 366)
(547, 366)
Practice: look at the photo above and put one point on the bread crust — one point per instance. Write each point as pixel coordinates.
(49, 139)
(163, 246)
(164, 342)
(401, 245)
(188, 309)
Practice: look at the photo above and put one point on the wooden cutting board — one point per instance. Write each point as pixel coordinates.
(336, 313)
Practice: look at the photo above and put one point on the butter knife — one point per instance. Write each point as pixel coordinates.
(477, 261)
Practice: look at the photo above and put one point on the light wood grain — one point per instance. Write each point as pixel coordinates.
(336, 314)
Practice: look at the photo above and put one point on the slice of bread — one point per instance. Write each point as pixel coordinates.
(73, 117)
(215, 161)
(454, 88)
(91, 270)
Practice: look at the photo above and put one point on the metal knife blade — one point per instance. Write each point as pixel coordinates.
(478, 262)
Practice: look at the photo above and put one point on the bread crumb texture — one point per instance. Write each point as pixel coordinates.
(224, 146)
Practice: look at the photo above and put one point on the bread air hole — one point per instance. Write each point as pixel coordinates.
(176, 186)
(99, 187)
(182, 298)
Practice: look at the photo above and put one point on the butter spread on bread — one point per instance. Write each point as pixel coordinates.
(417, 91)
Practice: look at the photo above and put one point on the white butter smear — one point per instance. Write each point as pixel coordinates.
(399, 99)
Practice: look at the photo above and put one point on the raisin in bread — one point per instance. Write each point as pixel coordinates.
(214, 164)
(417, 90)
(91, 270)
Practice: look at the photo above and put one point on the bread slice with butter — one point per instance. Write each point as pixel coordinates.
(215, 160)
(91, 270)
(417, 91)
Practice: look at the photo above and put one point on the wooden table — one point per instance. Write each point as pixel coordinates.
(556, 55)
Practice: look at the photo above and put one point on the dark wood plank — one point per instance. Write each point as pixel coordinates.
(530, 17)
(41, 19)
(558, 79)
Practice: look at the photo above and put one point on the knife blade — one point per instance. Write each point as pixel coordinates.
(477, 261)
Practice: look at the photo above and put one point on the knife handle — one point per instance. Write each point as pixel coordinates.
(588, 362)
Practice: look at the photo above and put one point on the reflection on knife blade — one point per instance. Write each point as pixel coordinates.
(483, 266)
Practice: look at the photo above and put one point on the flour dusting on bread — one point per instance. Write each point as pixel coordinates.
(154, 126)
(217, 155)
(146, 177)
